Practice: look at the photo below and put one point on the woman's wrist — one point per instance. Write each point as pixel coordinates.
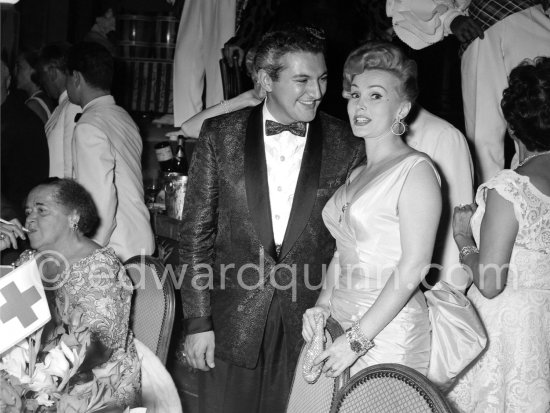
(358, 341)
(465, 252)
(464, 240)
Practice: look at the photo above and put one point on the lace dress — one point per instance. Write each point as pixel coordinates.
(98, 286)
(513, 375)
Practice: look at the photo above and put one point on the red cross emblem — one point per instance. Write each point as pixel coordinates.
(18, 304)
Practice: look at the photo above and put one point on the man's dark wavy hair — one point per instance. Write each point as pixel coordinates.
(274, 45)
(526, 103)
(54, 55)
(94, 62)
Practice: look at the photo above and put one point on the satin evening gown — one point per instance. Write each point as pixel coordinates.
(366, 229)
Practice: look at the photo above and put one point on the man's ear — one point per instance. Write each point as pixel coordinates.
(78, 78)
(265, 80)
(8, 82)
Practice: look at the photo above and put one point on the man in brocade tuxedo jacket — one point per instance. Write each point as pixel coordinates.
(252, 242)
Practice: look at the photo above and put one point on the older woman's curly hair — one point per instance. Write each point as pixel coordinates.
(72, 196)
(526, 103)
(382, 56)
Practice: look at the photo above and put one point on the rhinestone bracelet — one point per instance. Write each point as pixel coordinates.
(467, 250)
(225, 106)
(357, 340)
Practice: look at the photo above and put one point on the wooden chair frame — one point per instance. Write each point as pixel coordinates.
(433, 397)
(157, 268)
(343, 385)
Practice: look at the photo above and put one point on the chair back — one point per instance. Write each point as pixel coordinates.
(153, 304)
(390, 388)
(231, 78)
(317, 397)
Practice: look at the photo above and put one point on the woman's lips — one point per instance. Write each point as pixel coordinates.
(361, 120)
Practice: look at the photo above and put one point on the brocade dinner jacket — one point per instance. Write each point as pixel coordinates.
(227, 254)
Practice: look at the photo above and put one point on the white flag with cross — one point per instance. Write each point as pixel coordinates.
(23, 305)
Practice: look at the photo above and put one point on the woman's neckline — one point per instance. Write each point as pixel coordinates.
(527, 178)
(359, 192)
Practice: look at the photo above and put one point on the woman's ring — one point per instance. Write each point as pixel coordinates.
(2, 237)
(461, 205)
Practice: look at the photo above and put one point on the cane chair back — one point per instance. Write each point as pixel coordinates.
(317, 397)
(390, 388)
(231, 78)
(153, 304)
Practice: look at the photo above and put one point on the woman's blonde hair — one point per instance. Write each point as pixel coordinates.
(382, 56)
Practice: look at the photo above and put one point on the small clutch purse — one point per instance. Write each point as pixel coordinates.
(316, 346)
(458, 335)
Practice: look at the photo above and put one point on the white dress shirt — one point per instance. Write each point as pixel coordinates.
(107, 150)
(59, 132)
(283, 155)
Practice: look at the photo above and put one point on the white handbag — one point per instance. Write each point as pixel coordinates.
(458, 335)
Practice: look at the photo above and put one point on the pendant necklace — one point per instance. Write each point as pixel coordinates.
(532, 156)
(344, 207)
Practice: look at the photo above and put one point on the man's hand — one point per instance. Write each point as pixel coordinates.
(199, 349)
(466, 29)
(232, 50)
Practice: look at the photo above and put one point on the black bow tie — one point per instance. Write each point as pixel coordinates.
(77, 117)
(274, 128)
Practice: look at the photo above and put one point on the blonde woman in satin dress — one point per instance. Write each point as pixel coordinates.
(384, 220)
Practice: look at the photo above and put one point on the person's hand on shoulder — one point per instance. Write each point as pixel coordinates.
(252, 97)
(466, 29)
(199, 350)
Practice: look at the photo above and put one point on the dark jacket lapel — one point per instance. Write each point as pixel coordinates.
(257, 187)
(305, 193)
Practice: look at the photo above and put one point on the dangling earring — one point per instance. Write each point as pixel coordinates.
(74, 226)
(398, 127)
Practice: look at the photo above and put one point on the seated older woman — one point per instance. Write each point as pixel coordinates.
(87, 278)
(506, 246)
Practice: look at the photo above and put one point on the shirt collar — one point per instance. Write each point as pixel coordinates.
(63, 96)
(102, 100)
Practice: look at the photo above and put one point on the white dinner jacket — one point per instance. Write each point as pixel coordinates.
(107, 150)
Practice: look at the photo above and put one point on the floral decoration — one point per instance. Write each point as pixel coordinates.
(58, 369)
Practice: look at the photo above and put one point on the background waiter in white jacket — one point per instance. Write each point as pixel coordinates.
(107, 153)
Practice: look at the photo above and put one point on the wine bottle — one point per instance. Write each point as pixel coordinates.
(163, 150)
(180, 161)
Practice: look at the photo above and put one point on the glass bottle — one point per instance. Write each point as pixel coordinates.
(180, 161)
(163, 150)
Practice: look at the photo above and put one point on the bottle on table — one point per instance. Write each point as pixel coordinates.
(180, 160)
(176, 182)
(163, 151)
